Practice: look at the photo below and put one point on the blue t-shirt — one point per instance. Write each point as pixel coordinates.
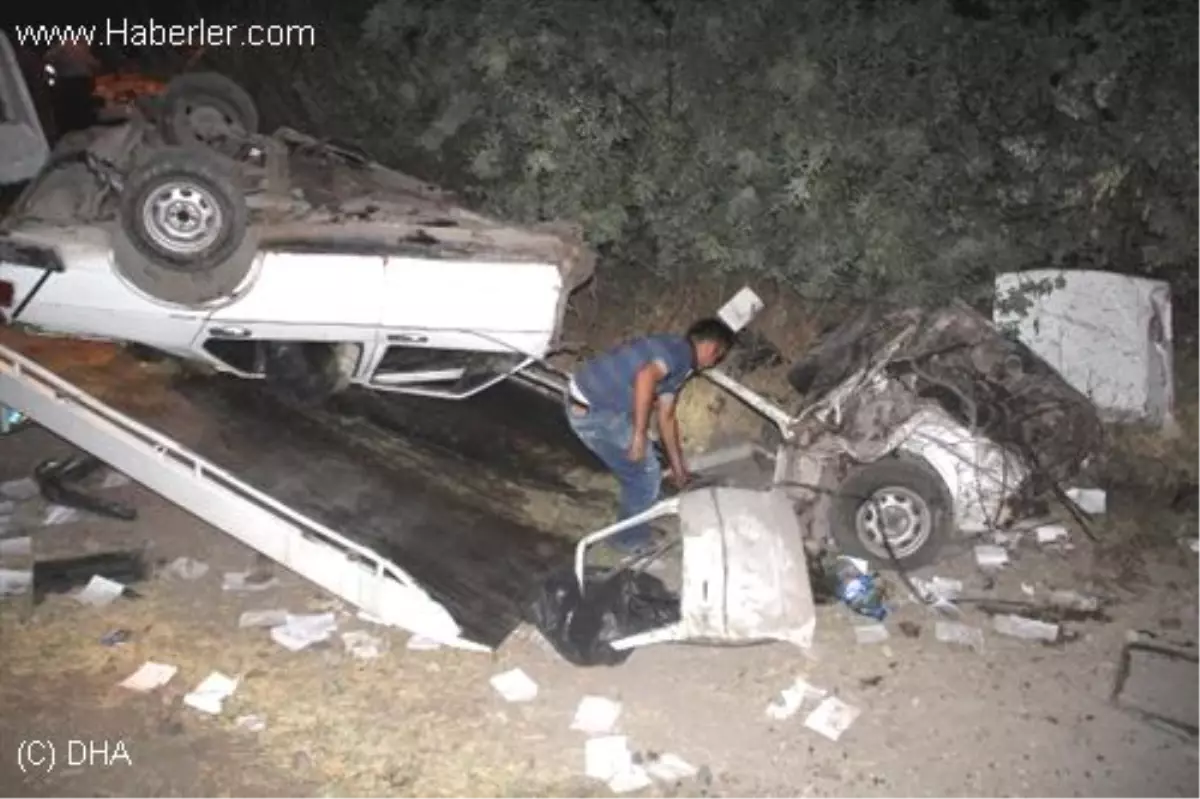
(606, 381)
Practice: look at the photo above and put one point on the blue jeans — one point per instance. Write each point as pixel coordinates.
(608, 435)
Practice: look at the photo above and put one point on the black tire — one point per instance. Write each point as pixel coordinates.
(178, 187)
(302, 371)
(207, 109)
(911, 478)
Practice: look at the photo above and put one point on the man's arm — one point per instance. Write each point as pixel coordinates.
(643, 399)
(668, 428)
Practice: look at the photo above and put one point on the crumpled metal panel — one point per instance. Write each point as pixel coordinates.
(745, 572)
(1107, 334)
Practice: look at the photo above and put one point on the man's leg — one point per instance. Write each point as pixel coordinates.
(608, 435)
(640, 487)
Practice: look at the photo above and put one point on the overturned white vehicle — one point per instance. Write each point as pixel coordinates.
(184, 230)
(919, 427)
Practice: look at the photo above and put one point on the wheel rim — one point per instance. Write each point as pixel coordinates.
(182, 218)
(899, 513)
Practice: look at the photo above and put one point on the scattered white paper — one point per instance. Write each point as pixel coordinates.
(419, 643)
(1052, 534)
(369, 618)
(302, 631)
(150, 675)
(1022, 627)
(61, 514)
(99, 591)
(240, 581)
(792, 698)
(596, 715)
(741, 309)
(939, 589)
(14, 582)
(20, 490)
(515, 686)
(1093, 501)
(989, 556)
(606, 757)
(1074, 600)
(870, 633)
(951, 632)
(670, 768)
(858, 563)
(114, 479)
(1194, 544)
(16, 547)
(363, 645)
(832, 717)
(252, 722)
(631, 779)
(263, 618)
(1006, 539)
(187, 569)
(211, 693)
(1027, 589)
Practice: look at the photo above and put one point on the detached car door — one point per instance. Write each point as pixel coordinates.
(301, 297)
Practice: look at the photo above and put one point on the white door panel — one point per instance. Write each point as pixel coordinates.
(309, 297)
(470, 295)
(299, 297)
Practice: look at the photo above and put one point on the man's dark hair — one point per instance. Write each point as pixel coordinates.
(712, 329)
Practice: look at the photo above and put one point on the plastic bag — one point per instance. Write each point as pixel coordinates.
(582, 628)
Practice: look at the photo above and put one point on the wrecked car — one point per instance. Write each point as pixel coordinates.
(918, 426)
(279, 257)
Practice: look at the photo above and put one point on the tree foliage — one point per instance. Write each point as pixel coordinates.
(846, 147)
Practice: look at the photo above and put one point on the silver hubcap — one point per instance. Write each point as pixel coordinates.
(898, 513)
(182, 218)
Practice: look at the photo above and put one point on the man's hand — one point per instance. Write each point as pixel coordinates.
(637, 448)
(681, 478)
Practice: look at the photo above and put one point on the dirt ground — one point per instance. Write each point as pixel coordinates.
(1017, 718)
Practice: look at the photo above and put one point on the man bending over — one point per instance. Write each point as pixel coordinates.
(609, 402)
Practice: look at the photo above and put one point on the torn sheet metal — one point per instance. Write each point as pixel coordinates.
(979, 473)
(1108, 334)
